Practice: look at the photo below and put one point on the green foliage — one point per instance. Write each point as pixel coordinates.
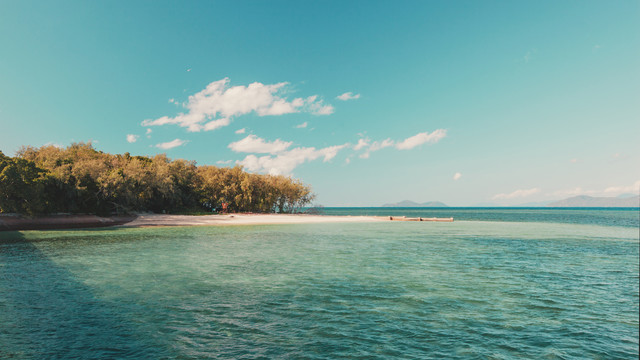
(80, 179)
(21, 184)
(251, 192)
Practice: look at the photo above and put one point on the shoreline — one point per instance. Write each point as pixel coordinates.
(152, 220)
(59, 222)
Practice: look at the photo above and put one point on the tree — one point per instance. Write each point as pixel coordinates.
(81, 179)
(21, 186)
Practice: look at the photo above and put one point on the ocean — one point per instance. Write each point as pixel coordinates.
(494, 284)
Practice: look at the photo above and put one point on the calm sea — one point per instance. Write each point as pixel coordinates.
(494, 284)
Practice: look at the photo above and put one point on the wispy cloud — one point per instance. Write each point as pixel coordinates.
(516, 194)
(285, 162)
(59, 146)
(254, 144)
(241, 131)
(220, 103)
(317, 107)
(457, 176)
(375, 146)
(131, 138)
(617, 190)
(361, 144)
(528, 55)
(171, 144)
(614, 190)
(224, 162)
(215, 124)
(421, 138)
(406, 144)
(348, 96)
(302, 126)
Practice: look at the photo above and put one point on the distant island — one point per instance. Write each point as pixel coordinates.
(590, 201)
(408, 203)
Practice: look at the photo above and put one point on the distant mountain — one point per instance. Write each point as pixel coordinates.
(589, 201)
(408, 203)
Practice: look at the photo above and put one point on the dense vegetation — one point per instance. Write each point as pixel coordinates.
(80, 179)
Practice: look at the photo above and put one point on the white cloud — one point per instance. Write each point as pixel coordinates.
(224, 162)
(212, 125)
(607, 192)
(241, 131)
(421, 138)
(149, 131)
(171, 144)
(406, 144)
(375, 146)
(303, 125)
(219, 101)
(517, 194)
(254, 144)
(330, 152)
(617, 190)
(56, 145)
(361, 144)
(316, 107)
(348, 96)
(284, 162)
(457, 176)
(132, 138)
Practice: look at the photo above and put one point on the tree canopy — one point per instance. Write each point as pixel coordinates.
(81, 179)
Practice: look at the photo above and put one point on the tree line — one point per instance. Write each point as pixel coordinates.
(81, 179)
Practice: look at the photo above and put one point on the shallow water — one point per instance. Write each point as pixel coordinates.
(629, 217)
(468, 289)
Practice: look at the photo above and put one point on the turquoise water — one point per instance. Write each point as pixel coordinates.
(629, 217)
(411, 290)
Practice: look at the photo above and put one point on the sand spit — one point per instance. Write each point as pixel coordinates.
(17, 223)
(243, 219)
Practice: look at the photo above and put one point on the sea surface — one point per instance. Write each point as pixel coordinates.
(493, 284)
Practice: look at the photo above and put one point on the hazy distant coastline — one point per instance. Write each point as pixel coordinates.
(575, 201)
(408, 203)
(590, 201)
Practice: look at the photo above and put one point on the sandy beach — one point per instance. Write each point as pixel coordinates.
(17, 223)
(242, 219)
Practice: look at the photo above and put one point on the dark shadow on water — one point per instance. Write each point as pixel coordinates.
(47, 313)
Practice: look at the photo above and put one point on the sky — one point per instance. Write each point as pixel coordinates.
(369, 102)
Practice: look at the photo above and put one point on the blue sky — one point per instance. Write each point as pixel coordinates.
(369, 102)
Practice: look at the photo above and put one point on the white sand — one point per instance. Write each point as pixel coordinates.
(243, 219)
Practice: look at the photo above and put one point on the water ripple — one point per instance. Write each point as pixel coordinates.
(318, 292)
